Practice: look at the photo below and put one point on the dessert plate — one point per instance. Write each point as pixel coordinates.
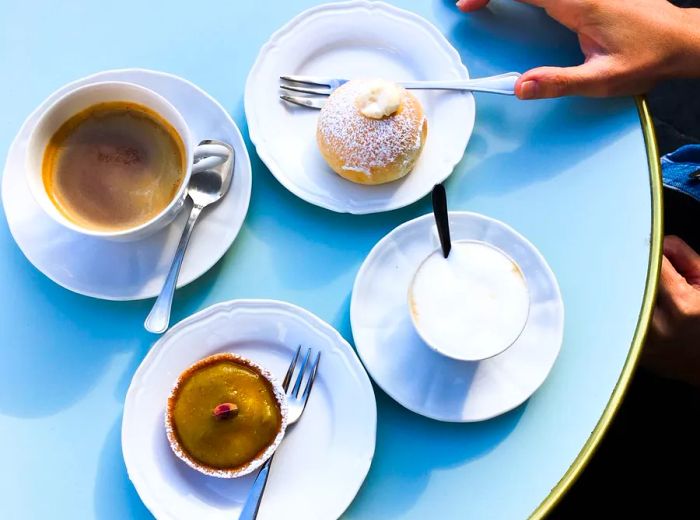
(129, 270)
(350, 40)
(418, 377)
(323, 459)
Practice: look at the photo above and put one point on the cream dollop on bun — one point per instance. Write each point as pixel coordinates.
(469, 306)
(378, 98)
(371, 131)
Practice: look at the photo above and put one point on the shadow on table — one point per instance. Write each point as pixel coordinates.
(544, 143)
(506, 36)
(517, 37)
(342, 319)
(115, 495)
(312, 239)
(410, 448)
(84, 336)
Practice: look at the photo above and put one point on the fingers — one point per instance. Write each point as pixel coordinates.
(684, 258)
(471, 5)
(474, 5)
(671, 282)
(661, 329)
(588, 79)
(679, 299)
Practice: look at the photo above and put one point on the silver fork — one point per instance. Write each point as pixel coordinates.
(319, 87)
(295, 407)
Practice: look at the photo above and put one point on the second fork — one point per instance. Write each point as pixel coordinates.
(296, 404)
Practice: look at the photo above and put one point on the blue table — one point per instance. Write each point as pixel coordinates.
(575, 176)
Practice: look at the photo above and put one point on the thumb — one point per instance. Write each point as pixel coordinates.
(684, 258)
(588, 79)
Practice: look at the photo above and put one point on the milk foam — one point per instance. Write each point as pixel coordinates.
(472, 305)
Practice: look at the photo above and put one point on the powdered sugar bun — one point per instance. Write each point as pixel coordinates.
(366, 150)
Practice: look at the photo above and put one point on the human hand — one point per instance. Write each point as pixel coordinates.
(673, 344)
(629, 45)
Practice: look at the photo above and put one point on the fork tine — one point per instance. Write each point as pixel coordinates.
(290, 370)
(300, 377)
(310, 381)
(319, 91)
(309, 80)
(309, 102)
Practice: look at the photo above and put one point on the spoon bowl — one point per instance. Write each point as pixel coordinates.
(212, 172)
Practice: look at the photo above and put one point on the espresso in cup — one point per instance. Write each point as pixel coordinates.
(469, 306)
(113, 166)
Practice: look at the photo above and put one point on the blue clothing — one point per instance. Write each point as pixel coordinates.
(678, 168)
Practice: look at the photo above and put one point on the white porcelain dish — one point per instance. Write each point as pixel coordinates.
(425, 381)
(133, 270)
(350, 40)
(321, 463)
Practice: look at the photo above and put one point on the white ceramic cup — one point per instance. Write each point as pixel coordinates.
(79, 99)
(437, 326)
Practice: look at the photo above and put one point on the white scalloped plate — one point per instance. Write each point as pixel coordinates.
(418, 377)
(130, 270)
(323, 459)
(355, 39)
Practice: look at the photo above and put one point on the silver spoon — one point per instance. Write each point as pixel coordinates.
(210, 180)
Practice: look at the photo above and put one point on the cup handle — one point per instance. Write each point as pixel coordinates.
(209, 155)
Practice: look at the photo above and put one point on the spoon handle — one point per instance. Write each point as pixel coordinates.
(159, 317)
(441, 219)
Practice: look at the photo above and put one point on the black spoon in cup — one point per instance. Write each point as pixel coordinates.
(441, 218)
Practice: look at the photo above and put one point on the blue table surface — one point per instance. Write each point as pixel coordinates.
(570, 174)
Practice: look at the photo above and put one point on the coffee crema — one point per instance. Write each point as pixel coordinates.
(113, 166)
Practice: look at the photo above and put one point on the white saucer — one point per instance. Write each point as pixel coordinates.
(130, 270)
(322, 460)
(349, 40)
(423, 380)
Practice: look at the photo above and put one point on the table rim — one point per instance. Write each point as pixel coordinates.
(619, 391)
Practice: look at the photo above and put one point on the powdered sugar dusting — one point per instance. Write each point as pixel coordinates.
(364, 142)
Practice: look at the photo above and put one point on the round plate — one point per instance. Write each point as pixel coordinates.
(423, 380)
(322, 460)
(355, 39)
(130, 270)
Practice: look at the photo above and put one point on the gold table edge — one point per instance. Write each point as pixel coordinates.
(656, 235)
